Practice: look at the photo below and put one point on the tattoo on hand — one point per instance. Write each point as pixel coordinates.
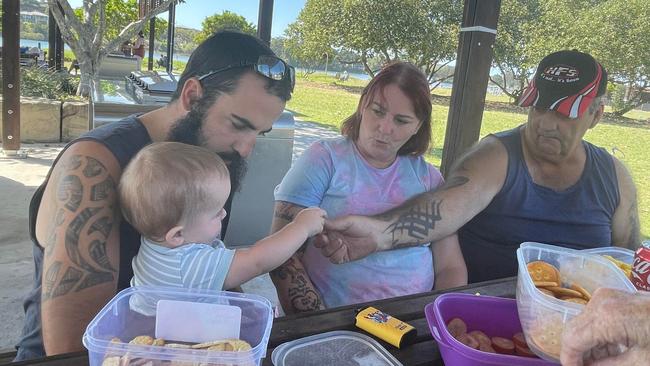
(86, 235)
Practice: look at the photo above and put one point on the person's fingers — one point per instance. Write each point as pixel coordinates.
(320, 240)
(338, 224)
(577, 339)
(340, 255)
(331, 248)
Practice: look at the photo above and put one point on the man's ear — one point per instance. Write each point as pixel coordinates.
(597, 115)
(192, 91)
(174, 236)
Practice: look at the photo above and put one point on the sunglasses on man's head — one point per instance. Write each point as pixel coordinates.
(270, 67)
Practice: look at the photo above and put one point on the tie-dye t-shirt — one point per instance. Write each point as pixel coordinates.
(332, 174)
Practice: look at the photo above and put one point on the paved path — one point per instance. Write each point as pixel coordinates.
(19, 178)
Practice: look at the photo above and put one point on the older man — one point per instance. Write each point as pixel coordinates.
(537, 182)
(232, 90)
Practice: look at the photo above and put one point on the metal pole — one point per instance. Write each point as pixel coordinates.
(11, 76)
(264, 20)
(170, 37)
(152, 33)
(471, 75)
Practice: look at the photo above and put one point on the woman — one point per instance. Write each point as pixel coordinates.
(376, 165)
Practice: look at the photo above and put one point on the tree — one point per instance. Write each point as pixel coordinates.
(90, 38)
(512, 46)
(424, 32)
(225, 20)
(618, 35)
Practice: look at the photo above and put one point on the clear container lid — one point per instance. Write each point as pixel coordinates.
(342, 348)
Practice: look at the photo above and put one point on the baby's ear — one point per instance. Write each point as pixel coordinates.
(174, 236)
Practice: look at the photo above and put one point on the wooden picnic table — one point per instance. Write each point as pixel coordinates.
(407, 308)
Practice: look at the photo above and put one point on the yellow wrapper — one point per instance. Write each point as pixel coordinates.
(386, 327)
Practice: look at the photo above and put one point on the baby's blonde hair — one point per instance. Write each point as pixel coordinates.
(167, 184)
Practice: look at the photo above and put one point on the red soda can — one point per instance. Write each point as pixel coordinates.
(641, 267)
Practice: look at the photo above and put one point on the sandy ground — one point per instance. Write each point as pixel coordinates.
(19, 178)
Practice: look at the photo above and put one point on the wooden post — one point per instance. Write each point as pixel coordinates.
(471, 75)
(152, 34)
(264, 20)
(10, 76)
(170, 37)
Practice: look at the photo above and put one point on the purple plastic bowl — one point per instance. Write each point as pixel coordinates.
(495, 316)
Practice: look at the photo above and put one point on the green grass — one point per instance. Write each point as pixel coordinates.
(323, 100)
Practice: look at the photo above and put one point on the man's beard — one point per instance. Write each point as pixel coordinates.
(188, 131)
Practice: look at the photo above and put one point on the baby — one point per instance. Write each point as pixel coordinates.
(174, 194)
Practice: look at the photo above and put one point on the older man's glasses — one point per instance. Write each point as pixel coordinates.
(270, 67)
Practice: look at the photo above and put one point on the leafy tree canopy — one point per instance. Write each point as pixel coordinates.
(225, 20)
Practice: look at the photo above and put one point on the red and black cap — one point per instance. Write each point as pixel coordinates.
(566, 82)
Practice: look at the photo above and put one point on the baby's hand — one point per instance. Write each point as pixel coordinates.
(311, 219)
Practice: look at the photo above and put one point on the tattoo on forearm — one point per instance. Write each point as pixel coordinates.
(86, 235)
(634, 238)
(416, 222)
(301, 294)
(285, 211)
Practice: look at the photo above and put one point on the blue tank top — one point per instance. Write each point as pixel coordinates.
(579, 217)
(124, 139)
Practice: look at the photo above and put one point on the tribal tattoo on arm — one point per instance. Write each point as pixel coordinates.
(419, 215)
(301, 292)
(84, 220)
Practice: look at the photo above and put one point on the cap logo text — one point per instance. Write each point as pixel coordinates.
(560, 74)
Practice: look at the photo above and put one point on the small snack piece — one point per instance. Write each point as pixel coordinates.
(519, 339)
(545, 284)
(158, 342)
(546, 292)
(468, 340)
(541, 271)
(564, 292)
(142, 340)
(481, 337)
(177, 345)
(456, 327)
(503, 345)
(223, 346)
(625, 267)
(585, 294)
(524, 351)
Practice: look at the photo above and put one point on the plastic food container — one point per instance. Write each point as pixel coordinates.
(116, 319)
(495, 316)
(622, 254)
(341, 348)
(543, 317)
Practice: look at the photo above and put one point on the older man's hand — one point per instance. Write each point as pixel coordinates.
(613, 329)
(349, 238)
